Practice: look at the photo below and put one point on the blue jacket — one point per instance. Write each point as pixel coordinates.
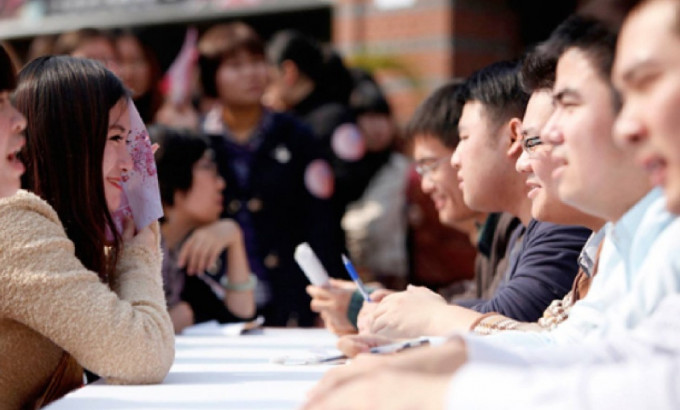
(281, 213)
(542, 267)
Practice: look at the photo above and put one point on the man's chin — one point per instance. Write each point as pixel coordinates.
(673, 199)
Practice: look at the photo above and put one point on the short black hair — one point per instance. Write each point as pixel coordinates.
(611, 12)
(178, 152)
(220, 43)
(302, 50)
(8, 76)
(497, 87)
(438, 115)
(539, 65)
(538, 69)
(588, 34)
(366, 96)
(337, 80)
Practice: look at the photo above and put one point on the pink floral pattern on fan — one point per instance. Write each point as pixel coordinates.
(142, 155)
(141, 197)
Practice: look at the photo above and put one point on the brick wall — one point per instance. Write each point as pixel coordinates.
(416, 49)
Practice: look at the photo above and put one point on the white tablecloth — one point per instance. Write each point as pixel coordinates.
(220, 372)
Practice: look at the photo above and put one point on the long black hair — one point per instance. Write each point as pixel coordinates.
(66, 102)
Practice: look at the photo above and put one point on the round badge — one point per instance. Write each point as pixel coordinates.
(319, 179)
(348, 143)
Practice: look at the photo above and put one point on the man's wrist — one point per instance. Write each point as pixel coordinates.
(438, 322)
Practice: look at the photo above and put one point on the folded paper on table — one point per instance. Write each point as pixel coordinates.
(213, 328)
(141, 197)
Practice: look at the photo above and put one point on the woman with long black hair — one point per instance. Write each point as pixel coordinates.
(69, 297)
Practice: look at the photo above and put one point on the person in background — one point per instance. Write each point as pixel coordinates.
(140, 71)
(304, 79)
(438, 255)
(278, 184)
(42, 45)
(70, 297)
(375, 224)
(297, 72)
(89, 43)
(215, 283)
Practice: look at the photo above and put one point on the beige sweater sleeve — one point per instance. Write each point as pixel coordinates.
(125, 335)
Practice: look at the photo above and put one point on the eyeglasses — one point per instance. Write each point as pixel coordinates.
(427, 165)
(533, 145)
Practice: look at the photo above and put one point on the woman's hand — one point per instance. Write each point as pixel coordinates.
(205, 245)
(145, 237)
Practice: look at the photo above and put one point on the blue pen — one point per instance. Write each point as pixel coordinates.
(355, 277)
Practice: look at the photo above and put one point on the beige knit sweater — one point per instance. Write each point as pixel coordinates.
(49, 302)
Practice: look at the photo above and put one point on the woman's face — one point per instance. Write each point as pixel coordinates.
(101, 49)
(135, 70)
(117, 159)
(202, 203)
(241, 79)
(12, 139)
(378, 130)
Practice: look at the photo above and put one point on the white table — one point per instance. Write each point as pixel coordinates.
(220, 372)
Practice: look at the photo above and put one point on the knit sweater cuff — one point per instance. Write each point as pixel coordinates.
(493, 322)
(138, 259)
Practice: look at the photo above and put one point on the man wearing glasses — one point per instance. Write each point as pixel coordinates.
(543, 256)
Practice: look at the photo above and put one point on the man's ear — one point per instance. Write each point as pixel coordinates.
(514, 138)
(290, 71)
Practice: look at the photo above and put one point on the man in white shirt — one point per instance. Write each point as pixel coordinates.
(638, 371)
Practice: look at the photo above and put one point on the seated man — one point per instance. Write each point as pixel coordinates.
(205, 270)
(542, 256)
(638, 370)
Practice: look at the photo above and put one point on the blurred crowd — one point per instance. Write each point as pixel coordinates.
(306, 149)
